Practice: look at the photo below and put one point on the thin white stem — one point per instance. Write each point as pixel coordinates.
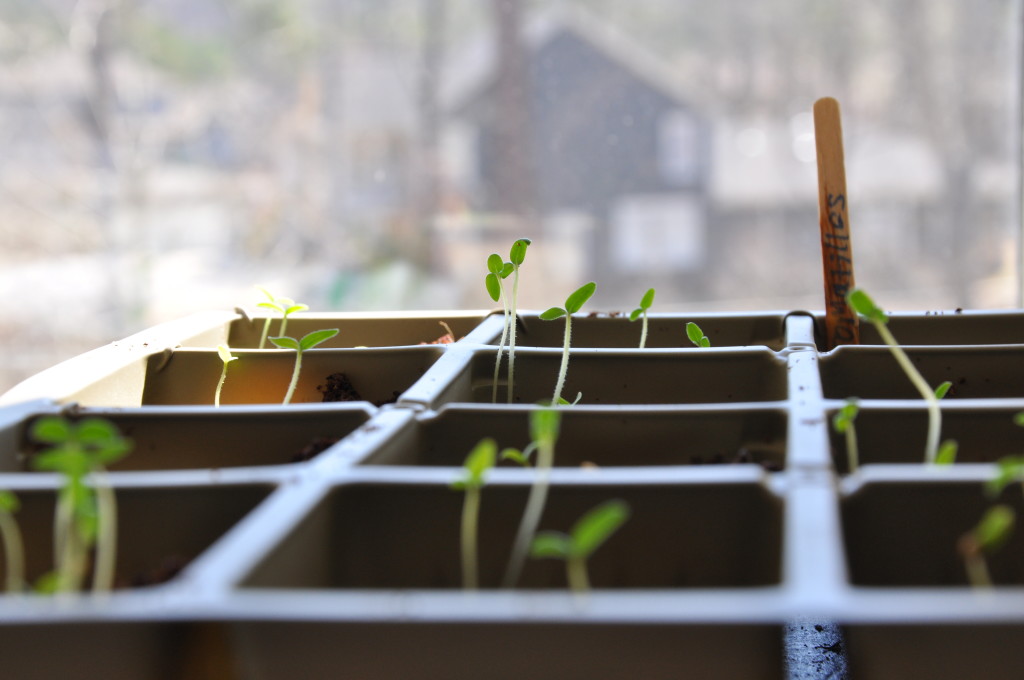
(576, 573)
(266, 331)
(14, 551)
(564, 367)
(501, 343)
(512, 333)
(220, 385)
(977, 571)
(470, 515)
(295, 377)
(531, 515)
(934, 412)
(643, 331)
(852, 458)
(106, 537)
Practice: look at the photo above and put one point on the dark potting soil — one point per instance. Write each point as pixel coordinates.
(742, 456)
(340, 388)
(314, 448)
(164, 571)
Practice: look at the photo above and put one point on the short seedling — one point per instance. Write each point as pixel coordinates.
(842, 423)
(645, 303)
(478, 462)
(498, 271)
(226, 358)
(283, 306)
(14, 550)
(586, 536)
(544, 428)
(990, 534)
(862, 303)
(517, 255)
(573, 304)
(696, 335)
(308, 341)
(86, 516)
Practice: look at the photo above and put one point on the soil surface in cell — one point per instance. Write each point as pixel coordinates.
(340, 388)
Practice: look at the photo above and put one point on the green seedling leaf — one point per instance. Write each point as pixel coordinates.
(544, 424)
(636, 314)
(95, 431)
(947, 452)
(294, 307)
(648, 299)
(943, 389)
(51, 430)
(311, 340)
(479, 461)
(1011, 469)
(495, 264)
(578, 298)
(1019, 419)
(225, 354)
(696, 335)
(518, 252)
(845, 416)
(286, 343)
(9, 502)
(862, 303)
(517, 456)
(551, 544)
(595, 527)
(47, 584)
(273, 306)
(995, 528)
(493, 286)
(552, 314)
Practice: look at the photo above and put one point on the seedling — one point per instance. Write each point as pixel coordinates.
(498, 271)
(308, 341)
(85, 516)
(226, 358)
(14, 551)
(519, 457)
(516, 255)
(645, 303)
(478, 462)
(586, 536)
(862, 303)
(573, 304)
(842, 422)
(696, 335)
(990, 534)
(544, 427)
(283, 306)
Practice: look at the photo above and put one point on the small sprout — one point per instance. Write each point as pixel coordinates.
(226, 358)
(516, 256)
(1018, 419)
(519, 457)
(862, 303)
(842, 423)
(988, 537)
(283, 306)
(544, 429)
(588, 534)
(308, 341)
(946, 454)
(696, 335)
(14, 550)
(86, 516)
(498, 271)
(943, 389)
(573, 304)
(645, 303)
(1011, 469)
(479, 461)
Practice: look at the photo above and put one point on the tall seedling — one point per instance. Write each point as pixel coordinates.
(498, 271)
(478, 462)
(645, 303)
(862, 303)
(308, 341)
(86, 515)
(573, 304)
(226, 358)
(544, 427)
(14, 546)
(283, 306)
(517, 255)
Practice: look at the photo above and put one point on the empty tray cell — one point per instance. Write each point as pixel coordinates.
(905, 533)
(172, 440)
(399, 330)
(508, 650)
(887, 435)
(377, 376)
(689, 377)
(948, 328)
(662, 332)
(873, 373)
(159, 530)
(652, 436)
(407, 536)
